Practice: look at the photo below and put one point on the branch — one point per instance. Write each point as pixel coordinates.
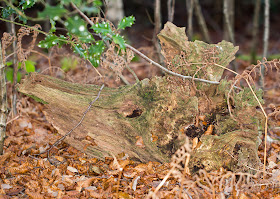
(145, 57)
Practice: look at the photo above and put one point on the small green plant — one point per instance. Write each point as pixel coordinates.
(29, 67)
(88, 42)
(68, 63)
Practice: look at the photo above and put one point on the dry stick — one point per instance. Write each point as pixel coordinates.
(265, 39)
(201, 21)
(184, 173)
(164, 180)
(265, 126)
(189, 4)
(147, 58)
(255, 30)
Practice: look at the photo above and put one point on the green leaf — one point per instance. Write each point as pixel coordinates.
(94, 53)
(68, 63)
(75, 25)
(90, 10)
(29, 66)
(52, 40)
(119, 40)
(53, 28)
(9, 63)
(126, 22)
(52, 12)
(27, 4)
(97, 3)
(102, 28)
(7, 11)
(79, 50)
(67, 2)
(10, 75)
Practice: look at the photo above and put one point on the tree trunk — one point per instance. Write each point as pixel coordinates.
(116, 121)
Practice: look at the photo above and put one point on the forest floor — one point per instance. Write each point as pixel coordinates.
(69, 173)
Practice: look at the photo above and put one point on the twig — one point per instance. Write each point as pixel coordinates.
(147, 58)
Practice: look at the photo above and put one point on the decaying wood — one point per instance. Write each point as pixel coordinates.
(149, 120)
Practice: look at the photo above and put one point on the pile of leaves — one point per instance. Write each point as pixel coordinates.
(69, 173)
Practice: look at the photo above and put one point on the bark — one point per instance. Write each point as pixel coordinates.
(171, 9)
(228, 11)
(189, 4)
(201, 21)
(114, 122)
(3, 102)
(255, 31)
(265, 39)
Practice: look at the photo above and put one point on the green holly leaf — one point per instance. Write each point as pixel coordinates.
(102, 28)
(126, 22)
(77, 48)
(52, 40)
(52, 12)
(27, 4)
(94, 53)
(119, 40)
(76, 26)
(7, 11)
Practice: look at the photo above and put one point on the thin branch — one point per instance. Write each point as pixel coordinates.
(147, 58)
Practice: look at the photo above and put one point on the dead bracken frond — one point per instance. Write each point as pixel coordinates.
(116, 59)
(7, 40)
(22, 54)
(254, 71)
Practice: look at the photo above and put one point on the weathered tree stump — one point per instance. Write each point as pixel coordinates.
(149, 120)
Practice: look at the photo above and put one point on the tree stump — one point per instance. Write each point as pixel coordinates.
(150, 120)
